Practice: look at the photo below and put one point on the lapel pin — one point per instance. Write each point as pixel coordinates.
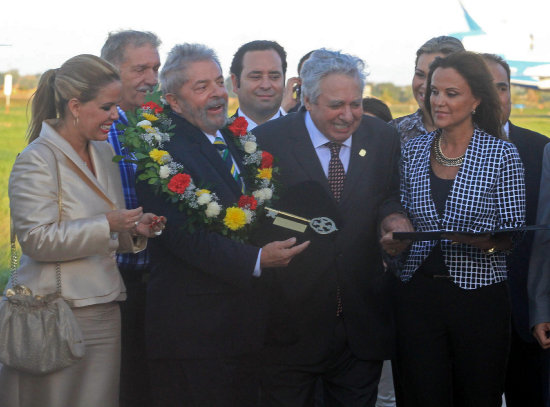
(362, 152)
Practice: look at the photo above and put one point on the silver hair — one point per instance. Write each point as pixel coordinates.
(322, 63)
(173, 73)
(115, 46)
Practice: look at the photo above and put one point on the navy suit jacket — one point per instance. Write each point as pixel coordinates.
(530, 146)
(302, 313)
(202, 301)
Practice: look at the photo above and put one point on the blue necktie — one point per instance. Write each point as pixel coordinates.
(219, 143)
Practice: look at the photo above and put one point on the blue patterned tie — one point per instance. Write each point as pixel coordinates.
(219, 143)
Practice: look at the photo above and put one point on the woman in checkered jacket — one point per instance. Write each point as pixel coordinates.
(453, 308)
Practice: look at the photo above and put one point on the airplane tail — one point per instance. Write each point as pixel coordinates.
(474, 28)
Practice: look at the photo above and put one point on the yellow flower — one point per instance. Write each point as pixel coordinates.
(202, 191)
(159, 156)
(265, 173)
(150, 117)
(235, 218)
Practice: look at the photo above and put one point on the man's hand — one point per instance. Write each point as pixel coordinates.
(289, 101)
(279, 253)
(394, 222)
(541, 332)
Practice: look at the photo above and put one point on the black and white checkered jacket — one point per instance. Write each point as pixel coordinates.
(488, 193)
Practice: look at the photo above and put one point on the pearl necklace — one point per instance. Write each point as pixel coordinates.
(442, 158)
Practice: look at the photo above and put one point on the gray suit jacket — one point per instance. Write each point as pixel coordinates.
(538, 285)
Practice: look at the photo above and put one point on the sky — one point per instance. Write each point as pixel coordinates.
(385, 33)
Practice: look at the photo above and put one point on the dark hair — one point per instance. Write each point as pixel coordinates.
(304, 59)
(81, 77)
(258, 45)
(377, 108)
(115, 46)
(498, 60)
(473, 69)
(439, 45)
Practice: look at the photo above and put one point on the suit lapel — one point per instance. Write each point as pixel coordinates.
(192, 139)
(101, 167)
(305, 155)
(357, 163)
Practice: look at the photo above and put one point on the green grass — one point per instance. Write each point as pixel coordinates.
(12, 141)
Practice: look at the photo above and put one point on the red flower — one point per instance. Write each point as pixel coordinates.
(179, 183)
(267, 160)
(153, 106)
(239, 126)
(248, 202)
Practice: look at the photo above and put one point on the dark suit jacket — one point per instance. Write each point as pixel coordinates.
(530, 146)
(302, 313)
(202, 299)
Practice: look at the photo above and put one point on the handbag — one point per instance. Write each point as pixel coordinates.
(38, 334)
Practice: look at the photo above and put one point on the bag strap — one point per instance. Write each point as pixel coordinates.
(13, 258)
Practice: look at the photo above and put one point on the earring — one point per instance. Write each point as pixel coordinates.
(75, 121)
(473, 112)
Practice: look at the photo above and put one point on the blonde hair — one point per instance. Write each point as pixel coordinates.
(80, 77)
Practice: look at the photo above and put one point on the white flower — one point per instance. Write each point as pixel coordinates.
(164, 171)
(213, 209)
(263, 194)
(204, 198)
(144, 123)
(249, 216)
(250, 147)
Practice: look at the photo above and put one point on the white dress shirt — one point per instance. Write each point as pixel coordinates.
(252, 124)
(323, 152)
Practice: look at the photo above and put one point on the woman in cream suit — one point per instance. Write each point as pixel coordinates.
(65, 194)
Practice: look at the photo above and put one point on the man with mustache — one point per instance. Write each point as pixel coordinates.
(258, 75)
(330, 316)
(135, 54)
(205, 320)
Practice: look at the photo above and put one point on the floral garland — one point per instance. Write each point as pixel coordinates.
(149, 129)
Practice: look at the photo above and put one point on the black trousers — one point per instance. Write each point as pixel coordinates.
(452, 343)
(229, 382)
(527, 374)
(341, 379)
(134, 373)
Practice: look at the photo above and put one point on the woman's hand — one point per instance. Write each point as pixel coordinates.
(124, 220)
(151, 225)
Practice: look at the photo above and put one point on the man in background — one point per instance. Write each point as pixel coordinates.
(258, 75)
(135, 54)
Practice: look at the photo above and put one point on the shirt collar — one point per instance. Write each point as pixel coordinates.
(122, 116)
(252, 124)
(506, 129)
(317, 138)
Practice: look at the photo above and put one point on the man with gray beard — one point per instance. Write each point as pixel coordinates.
(135, 54)
(205, 304)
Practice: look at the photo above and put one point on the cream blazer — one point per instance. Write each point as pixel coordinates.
(81, 240)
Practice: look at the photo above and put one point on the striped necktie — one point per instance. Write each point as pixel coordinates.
(219, 143)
